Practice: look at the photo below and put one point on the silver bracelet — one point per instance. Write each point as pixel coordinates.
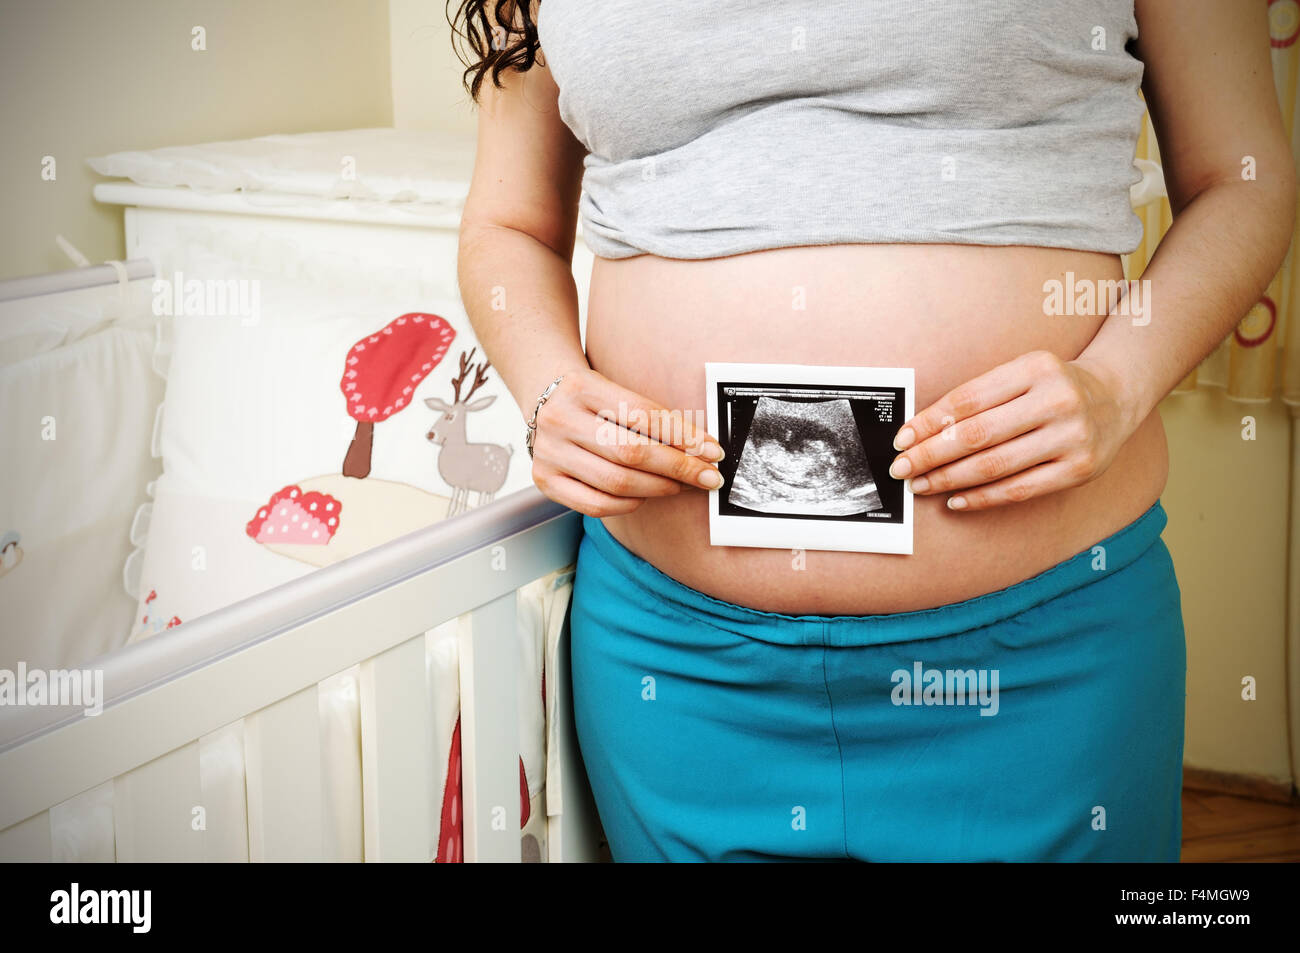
(532, 424)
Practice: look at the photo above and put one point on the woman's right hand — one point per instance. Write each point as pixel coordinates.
(603, 450)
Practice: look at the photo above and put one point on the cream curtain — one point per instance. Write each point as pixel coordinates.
(1261, 358)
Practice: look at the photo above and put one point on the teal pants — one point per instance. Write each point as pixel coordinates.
(1041, 722)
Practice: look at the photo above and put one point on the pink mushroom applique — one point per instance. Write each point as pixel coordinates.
(292, 516)
(381, 374)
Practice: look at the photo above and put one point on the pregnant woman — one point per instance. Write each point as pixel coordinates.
(873, 183)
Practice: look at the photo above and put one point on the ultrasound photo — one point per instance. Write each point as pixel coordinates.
(807, 460)
(804, 457)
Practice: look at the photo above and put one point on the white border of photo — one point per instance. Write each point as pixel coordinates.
(770, 532)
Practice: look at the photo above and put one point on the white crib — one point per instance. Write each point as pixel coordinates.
(251, 670)
(261, 659)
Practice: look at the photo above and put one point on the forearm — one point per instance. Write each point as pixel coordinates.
(522, 301)
(1218, 257)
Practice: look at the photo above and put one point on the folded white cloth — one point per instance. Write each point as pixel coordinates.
(385, 165)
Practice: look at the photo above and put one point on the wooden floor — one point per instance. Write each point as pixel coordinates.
(1222, 827)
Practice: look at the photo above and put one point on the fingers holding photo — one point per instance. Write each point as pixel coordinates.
(603, 450)
(627, 410)
(1032, 426)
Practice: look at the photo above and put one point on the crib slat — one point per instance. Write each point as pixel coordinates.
(225, 794)
(397, 755)
(573, 834)
(282, 752)
(490, 732)
(153, 809)
(82, 829)
(28, 841)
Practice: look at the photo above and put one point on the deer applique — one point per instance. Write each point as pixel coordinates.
(465, 466)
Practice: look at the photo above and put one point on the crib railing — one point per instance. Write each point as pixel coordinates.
(261, 660)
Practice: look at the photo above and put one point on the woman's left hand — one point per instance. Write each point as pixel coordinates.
(1026, 428)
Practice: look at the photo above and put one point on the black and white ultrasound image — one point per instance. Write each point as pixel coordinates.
(810, 451)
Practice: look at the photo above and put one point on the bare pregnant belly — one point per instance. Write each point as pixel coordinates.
(949, 311)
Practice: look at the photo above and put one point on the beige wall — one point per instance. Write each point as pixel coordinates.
(1228, 501)
(86, 77)
(426, 74)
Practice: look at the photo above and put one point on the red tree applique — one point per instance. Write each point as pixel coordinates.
(381, 374)
(451, 831)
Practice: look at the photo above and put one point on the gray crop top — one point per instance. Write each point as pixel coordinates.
(716, 127)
